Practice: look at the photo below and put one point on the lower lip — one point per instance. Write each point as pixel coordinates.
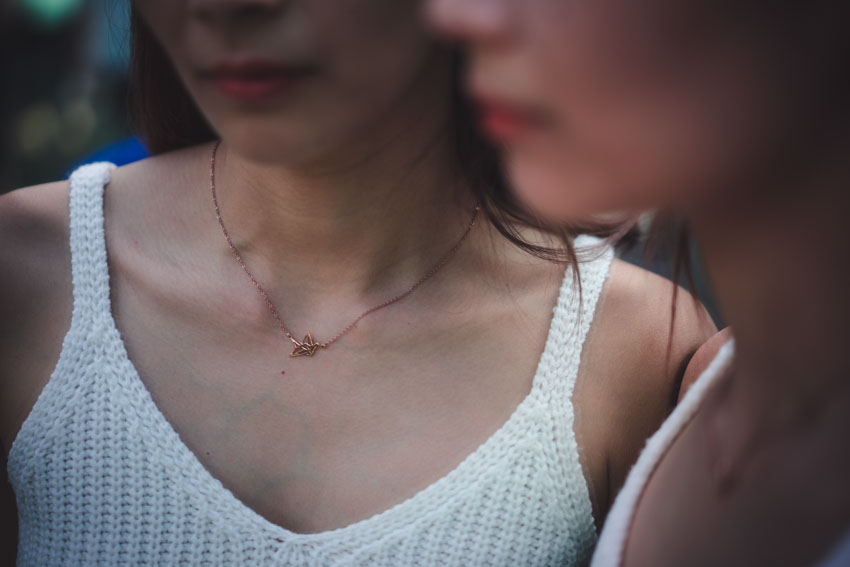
(504, 124)
(255, 89)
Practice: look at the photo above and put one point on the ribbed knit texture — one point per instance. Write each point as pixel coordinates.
(612, 541)
(101, 478)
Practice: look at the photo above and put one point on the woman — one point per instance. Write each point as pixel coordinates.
(310, 341)
(735, 116)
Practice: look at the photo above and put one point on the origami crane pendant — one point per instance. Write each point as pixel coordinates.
(307, 346)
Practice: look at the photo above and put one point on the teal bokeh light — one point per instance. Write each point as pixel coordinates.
(50, 13)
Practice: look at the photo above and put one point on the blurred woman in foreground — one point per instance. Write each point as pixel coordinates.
(735, 116)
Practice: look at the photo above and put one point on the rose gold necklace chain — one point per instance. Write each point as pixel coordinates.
(308, 346)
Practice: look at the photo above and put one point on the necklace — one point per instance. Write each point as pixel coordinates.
(308, 345)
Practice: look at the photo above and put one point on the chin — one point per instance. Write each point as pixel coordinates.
(553, 194)
(270, 140)
(569, 191)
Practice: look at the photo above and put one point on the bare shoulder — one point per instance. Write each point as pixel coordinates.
(34, 253)
(632, 364)
(636, 309)
(635, 312)
(35, 215)
(35, 294)
(643, 359)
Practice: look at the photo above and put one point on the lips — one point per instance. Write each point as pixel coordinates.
(505, 121)
(256, 80)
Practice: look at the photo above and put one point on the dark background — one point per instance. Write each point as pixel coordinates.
(64, 65)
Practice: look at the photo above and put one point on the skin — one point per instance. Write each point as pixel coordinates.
(723, 114)
(401, 400)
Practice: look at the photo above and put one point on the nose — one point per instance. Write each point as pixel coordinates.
(231, 10)
(471, 20)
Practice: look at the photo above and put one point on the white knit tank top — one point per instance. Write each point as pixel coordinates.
(101, 477)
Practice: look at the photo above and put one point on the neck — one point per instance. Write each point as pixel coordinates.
(777, 262)
(357, 227)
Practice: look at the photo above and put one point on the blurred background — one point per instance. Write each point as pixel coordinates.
(64, 67)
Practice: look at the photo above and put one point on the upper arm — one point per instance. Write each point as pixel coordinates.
(635, 364)
(34, 312)
(35, 296)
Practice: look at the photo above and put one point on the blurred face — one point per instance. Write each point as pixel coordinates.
(296, 80)
(615, 105)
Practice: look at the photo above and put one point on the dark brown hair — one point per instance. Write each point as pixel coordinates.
(167, 119)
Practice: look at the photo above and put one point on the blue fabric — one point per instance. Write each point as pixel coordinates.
(121, 152)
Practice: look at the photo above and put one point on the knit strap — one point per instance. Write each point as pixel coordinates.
(573, 315)
(89, 268)
(596, 258)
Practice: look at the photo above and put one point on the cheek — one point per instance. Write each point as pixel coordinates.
(376, 47)
(586, 163)
(634, 127)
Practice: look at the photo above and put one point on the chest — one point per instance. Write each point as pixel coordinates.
(317, 443)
